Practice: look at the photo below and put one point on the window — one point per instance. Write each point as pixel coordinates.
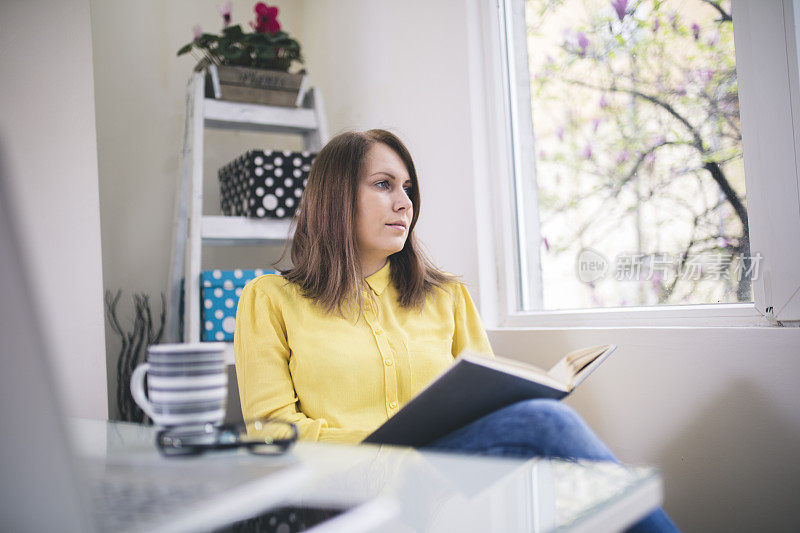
(629, 174)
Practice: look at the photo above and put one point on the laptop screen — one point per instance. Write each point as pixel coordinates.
(36, 471)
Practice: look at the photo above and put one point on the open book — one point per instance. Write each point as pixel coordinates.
(477, 385)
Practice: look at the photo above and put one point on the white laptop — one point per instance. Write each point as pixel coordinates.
(45, 488)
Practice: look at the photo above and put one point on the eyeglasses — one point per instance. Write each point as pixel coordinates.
(267, 437)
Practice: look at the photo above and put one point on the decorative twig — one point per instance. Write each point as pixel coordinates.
(134, 344)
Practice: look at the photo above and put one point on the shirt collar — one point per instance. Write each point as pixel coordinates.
(380, 279)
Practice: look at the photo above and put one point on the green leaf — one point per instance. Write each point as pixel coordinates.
(233, 31)
(265, 53)
(207, 39)
(185, 49)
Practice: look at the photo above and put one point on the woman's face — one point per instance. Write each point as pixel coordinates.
(383, 208)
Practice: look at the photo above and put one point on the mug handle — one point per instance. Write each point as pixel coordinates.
(137, 390)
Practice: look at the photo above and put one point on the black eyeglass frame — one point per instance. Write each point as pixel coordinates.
(226, 437)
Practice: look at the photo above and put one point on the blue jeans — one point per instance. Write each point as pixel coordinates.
(538, 428)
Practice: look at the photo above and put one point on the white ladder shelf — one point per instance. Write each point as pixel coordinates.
(191, 229)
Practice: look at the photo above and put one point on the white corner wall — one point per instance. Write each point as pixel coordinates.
(140, 89)
(47, 141)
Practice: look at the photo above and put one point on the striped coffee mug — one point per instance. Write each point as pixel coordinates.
(187, 384)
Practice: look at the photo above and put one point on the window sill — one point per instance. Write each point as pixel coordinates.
(713, 315)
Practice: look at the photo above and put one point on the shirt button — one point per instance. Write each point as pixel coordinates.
(378, 332)
(388, 362)
(393, 405)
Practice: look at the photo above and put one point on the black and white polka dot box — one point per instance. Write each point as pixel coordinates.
(220, 294)
(264, 183)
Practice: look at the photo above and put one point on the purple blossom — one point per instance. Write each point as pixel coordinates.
(225, 9)
(622, 156)
(619, 6)
(197, 31)
(658, 141)
(656, 25)
(587, 151)
(583, 42)
(603, 102)
(576, 39)
(705, 75)
(560, 133)
(696, 31)
(650, 158)
(596, 124)
(546, 243)
(656, 281)
(713, 39)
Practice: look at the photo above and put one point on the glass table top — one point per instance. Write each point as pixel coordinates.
(434, 491)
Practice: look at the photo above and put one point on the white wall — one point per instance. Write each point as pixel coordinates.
(714, 408)
(47, 141)
(402, 66)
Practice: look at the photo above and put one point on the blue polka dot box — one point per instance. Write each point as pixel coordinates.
(220, 291)
(264, 183)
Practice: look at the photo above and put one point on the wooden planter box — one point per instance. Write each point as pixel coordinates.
(255, 86)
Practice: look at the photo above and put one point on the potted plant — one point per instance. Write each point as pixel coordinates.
(249, 66)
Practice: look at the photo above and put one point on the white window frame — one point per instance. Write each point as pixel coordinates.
(767, 34)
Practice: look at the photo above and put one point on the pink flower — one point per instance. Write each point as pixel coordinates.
(197, 31)
(225, 9)
(696, 31)
(619, 6)
(266, 19)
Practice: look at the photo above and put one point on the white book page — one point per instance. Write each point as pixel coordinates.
(564, 372)
(517, 368)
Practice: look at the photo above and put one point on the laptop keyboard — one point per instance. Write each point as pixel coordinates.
(120, 505)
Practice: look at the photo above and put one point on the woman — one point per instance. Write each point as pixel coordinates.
(363, 321)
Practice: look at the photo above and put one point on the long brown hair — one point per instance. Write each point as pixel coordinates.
(324, 250)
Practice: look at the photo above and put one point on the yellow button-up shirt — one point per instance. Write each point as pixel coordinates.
(336, 378)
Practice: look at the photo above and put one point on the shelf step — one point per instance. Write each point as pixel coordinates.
(222, 230)
(238, 116)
